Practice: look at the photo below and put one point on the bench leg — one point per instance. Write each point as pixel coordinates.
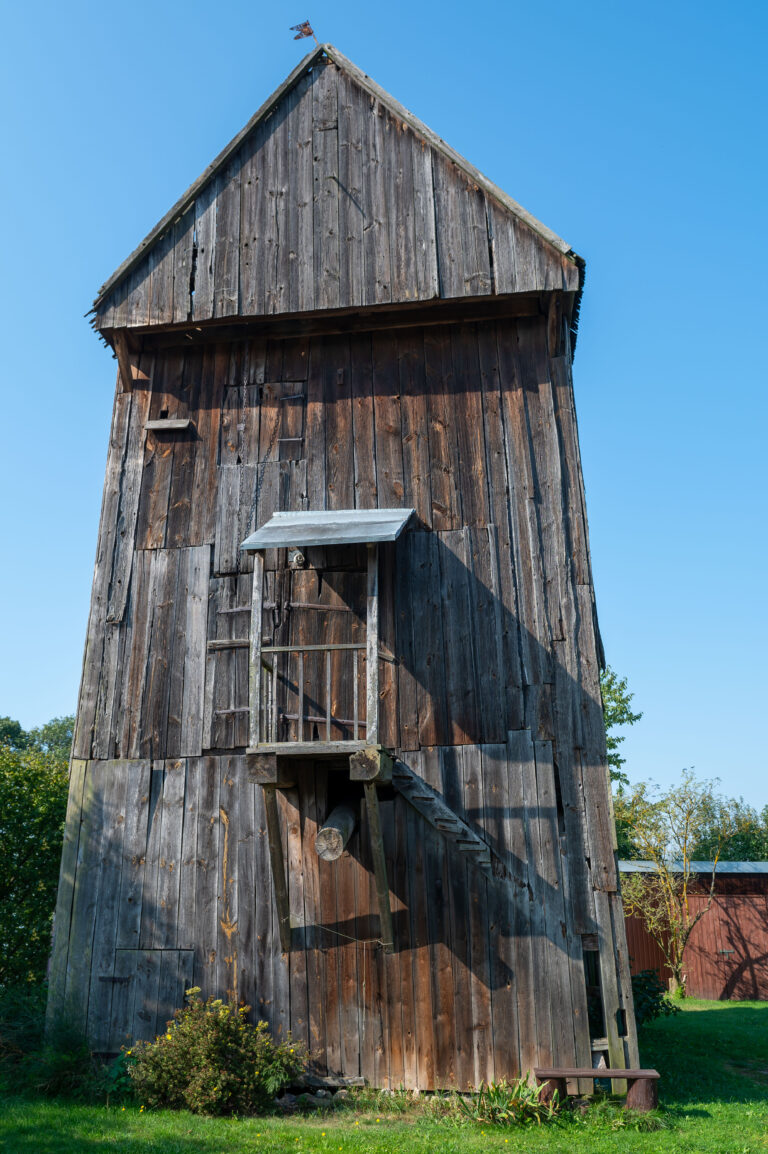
(642, 1094)
(549, 1086)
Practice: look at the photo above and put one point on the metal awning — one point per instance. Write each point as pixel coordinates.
(328, 527)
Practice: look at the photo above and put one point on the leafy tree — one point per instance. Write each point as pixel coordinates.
(54, 737)
(617, 711)
(12, 735)
(667, 827)
(33, 801)
(749, 840)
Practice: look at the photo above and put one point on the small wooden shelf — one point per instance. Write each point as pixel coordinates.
(169, 424)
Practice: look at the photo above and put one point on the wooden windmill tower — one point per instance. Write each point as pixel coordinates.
(339, 746)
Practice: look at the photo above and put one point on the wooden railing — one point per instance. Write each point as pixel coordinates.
(283, 676)
(263, 698)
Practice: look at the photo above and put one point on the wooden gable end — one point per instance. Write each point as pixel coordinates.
(335, 198)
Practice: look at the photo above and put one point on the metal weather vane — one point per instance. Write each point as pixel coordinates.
(304, 30)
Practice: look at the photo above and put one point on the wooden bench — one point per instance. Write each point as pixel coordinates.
(642, 1087)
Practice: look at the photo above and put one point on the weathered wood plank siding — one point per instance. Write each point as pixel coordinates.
(460, 981)
(332, 202)
(491, 622)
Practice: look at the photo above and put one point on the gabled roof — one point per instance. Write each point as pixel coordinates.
(393, 106)
(332, 197)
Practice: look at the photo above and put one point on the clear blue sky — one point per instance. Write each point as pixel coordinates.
(637, 132)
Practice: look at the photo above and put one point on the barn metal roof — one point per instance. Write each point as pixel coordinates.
(328, 527)
(698, 867)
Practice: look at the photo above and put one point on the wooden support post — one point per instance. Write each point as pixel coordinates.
(254, 667)
(371, 764)
(372, 648)
(278, 867)
(642, 1094)
(552, 1086)
(379, 866)
(337, 829)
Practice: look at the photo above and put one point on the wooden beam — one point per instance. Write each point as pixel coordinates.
(379, 867)
(126, 360)
(267, 769)
(371, 764)
(338, 827)
(372, 648)
(275, 839)
(327, 322)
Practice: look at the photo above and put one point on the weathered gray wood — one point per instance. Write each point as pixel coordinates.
(135, 834)
(379, 866)
(307, 748)
(325, 148)
(130, 490)
(85, 898)
(372, 648)
(371, 764)
(114, 780)
(254, 664)
(277, 860)
(207, 911)
(337, 829)
(444, 819)
(94, 643)
(65, 895)
(168, 424)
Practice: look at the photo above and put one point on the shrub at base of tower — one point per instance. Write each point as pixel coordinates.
(212, 1060)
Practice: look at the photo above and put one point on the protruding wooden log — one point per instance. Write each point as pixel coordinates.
(371, 764)
(338, 828)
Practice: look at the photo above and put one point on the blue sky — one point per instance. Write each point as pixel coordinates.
(637, 132)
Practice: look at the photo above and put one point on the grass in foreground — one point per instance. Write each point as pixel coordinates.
(713, 1059)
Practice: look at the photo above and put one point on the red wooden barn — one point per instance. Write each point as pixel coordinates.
(727, 955)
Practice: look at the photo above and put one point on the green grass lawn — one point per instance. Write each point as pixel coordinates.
(713, 1059)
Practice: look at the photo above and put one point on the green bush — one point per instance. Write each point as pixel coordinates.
(33, 803)
(516, 1103)
(211, 1060)
(651, 998)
